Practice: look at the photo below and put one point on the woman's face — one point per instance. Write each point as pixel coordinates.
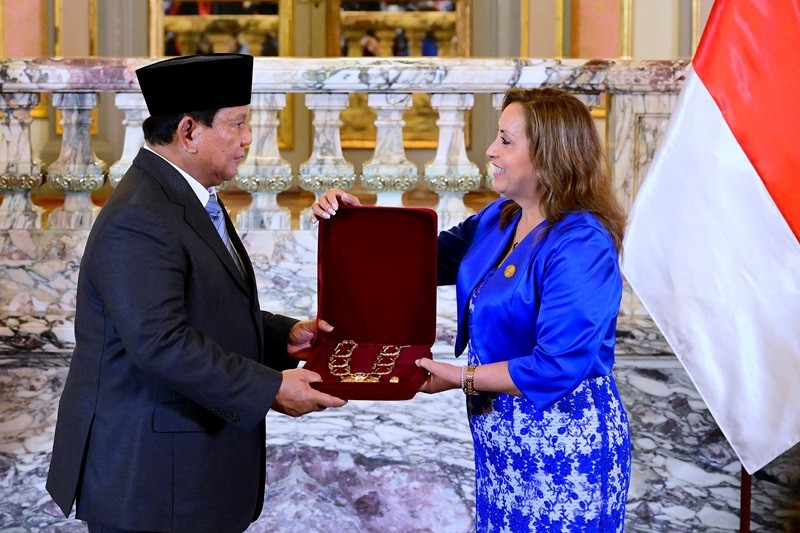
(512, 168)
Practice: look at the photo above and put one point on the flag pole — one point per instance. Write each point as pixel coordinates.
(744, 502)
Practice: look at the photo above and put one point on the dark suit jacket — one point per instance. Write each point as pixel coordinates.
(161, 421)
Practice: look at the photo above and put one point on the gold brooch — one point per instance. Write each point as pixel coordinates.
(509, 271)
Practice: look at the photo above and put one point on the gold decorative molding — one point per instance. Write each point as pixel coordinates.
(601, 111)
(463, 27)
(560, 21)
(42, 109)
(92, 27)
(58, 14)
(695, 24)
(155, 21)
(525, 28)
(626, 25)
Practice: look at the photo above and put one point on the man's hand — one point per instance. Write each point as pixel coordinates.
(296, 396)
(301, 335)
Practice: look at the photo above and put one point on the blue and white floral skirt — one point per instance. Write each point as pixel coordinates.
(566, 468)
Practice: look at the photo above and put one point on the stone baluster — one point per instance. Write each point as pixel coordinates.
(389, 172)
(451, 174)
(444, 41)
(385, 37)
(353, 39)
(20, 172)
(264, 173)
(415, 36)
(326, 167)
(135, 109)
(637, 122)
(77, 171)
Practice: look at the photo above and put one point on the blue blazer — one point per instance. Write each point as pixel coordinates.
(554, 319)
(161, 421)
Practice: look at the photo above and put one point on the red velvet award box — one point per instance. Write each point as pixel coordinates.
(376, 285)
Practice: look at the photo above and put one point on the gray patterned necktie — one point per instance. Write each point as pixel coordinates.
(214, 210)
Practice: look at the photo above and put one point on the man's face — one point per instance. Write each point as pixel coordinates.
(222, 146)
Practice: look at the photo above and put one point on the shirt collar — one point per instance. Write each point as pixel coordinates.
(201, 192)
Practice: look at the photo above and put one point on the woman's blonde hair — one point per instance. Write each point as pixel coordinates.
(568, 159)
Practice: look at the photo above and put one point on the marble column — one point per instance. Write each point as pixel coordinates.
(135, 109)
(264, 173)
(389, 173)
(20, 173)
(451, 174)
(326, 167)
(636, 124)
(77, 171)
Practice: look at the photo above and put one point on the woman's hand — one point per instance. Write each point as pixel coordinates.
(301, 335)
(329, 202)
(443, 376)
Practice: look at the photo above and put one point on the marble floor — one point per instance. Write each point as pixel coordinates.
(407, 466)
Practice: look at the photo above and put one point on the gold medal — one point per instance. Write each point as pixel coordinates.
(509, 271)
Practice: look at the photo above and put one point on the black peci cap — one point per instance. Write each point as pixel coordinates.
(196, 83)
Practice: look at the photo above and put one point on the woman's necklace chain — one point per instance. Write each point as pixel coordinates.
(519, 236)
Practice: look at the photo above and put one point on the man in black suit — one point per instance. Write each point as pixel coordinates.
(161, 424)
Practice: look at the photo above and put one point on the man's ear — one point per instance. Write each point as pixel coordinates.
(187, 133)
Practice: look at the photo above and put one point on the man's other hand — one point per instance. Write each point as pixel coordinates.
(296, 396)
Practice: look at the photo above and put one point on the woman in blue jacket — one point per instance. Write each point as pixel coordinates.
(538, 292)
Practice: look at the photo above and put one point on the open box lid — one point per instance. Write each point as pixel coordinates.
(377, 274)
(376, 285)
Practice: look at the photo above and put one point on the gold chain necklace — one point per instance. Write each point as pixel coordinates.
(339, 363)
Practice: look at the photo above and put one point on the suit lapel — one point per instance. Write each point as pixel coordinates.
(196, 216)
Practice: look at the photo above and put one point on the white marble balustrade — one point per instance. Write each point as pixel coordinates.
(643, 93)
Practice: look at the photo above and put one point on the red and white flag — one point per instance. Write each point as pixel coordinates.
(713, 248)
